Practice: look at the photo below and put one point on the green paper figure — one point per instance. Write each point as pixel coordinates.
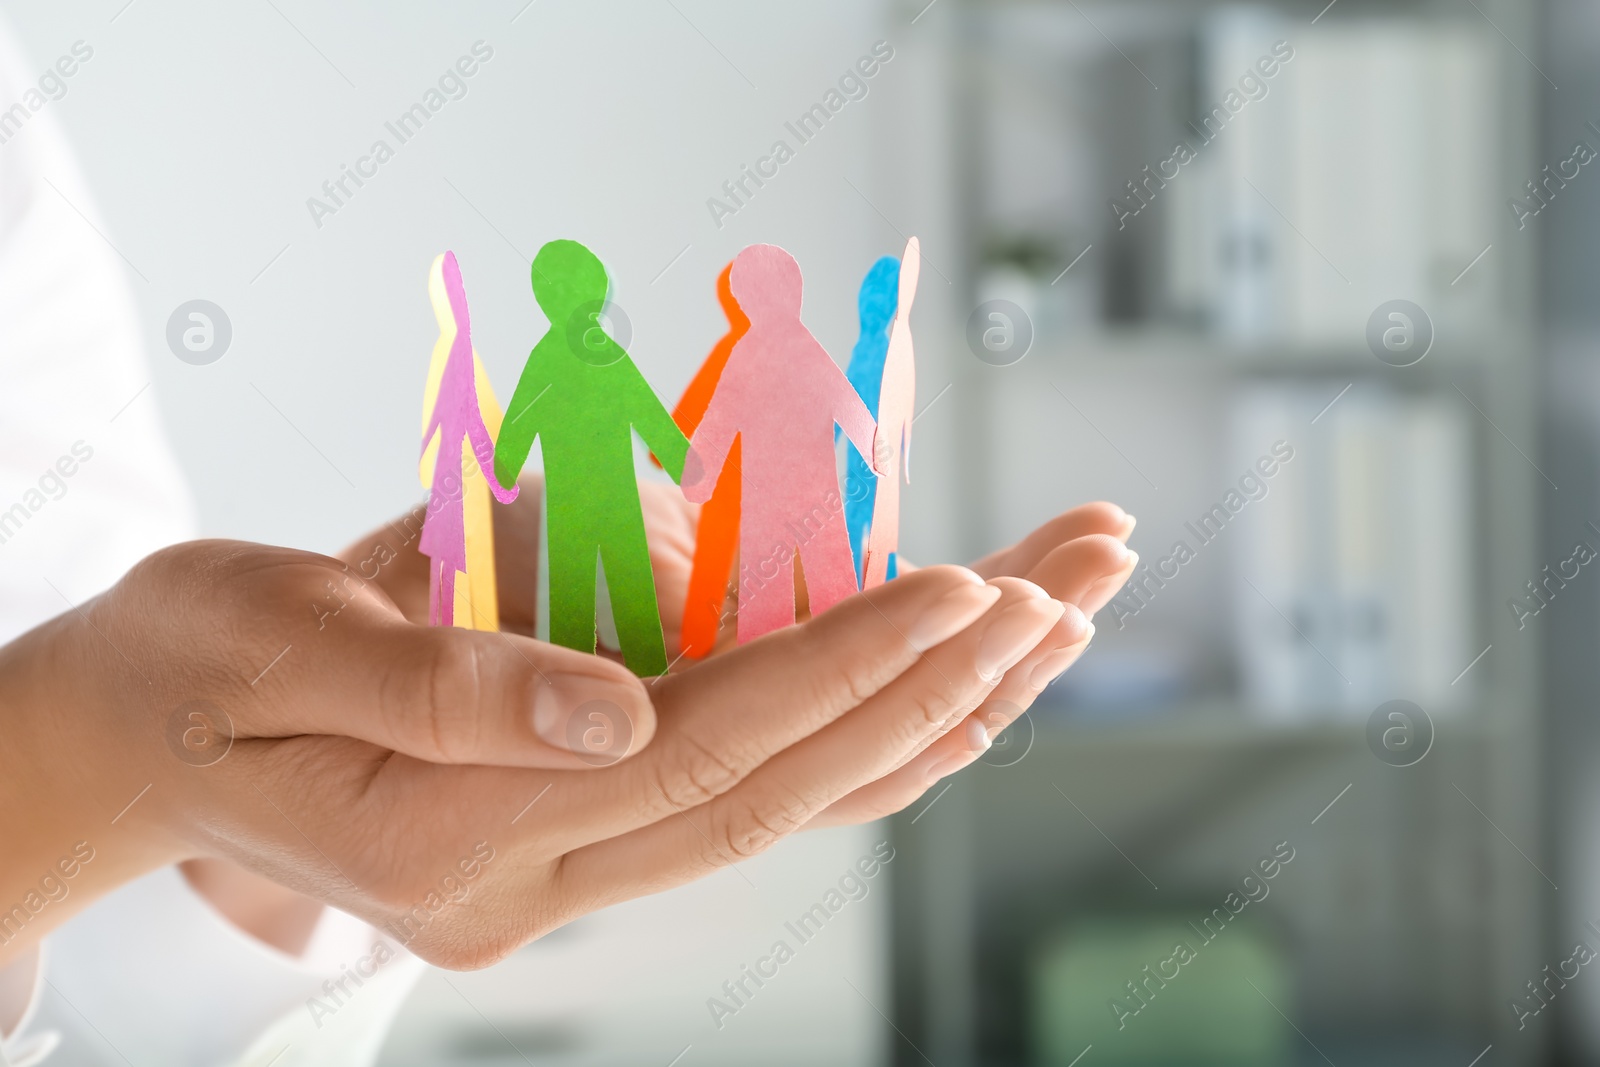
(582, 397)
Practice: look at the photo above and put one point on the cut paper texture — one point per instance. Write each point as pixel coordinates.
(477, 604)
(875, 304)
(717, 537)
(457, 464)
(779, 396)
(596, 399)
(897, 401)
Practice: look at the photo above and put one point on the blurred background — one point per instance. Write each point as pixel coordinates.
(1305, 286)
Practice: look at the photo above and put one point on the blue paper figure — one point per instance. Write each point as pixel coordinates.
(876, 303)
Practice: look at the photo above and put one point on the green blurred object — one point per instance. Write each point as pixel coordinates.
(1206, 1014)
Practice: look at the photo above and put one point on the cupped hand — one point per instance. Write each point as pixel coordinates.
(400, 771)
(1080, 558)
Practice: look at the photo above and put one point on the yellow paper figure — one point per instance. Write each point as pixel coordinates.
(477, 605)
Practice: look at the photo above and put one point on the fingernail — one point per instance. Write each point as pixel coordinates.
(951, 614)
(1133, 559)
(1128, 524)
(1049, 669)
(978, 736)
(1013, 635)
(584, 715)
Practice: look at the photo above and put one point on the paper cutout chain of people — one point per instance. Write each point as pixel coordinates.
(596, 400)
(717, 535)
(875, 304)
(780, 395)
(897, 401)
(457, 464)
(761, 412)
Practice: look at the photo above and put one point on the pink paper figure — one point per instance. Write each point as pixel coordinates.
(780, 395)
(897, 402)
(457, 420)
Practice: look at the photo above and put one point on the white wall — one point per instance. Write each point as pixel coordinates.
(205, 127)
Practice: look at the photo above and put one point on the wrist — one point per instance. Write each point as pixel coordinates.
(71, 783)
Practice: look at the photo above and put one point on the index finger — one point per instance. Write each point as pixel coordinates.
(1099, 517)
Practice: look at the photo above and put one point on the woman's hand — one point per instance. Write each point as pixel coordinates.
(1080, 558)
(278, 709)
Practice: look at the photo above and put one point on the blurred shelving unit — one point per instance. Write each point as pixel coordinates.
(1378, 168)
(1157, 349)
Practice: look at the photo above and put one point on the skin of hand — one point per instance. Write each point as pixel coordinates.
(1080, 558)
(397, 770)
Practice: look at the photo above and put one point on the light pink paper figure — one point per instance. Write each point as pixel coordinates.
(897, 403)
(458, 421)
(780, 395)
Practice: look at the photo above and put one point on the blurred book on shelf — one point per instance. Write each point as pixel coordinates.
(1239, 129)
(1331, 171)
(1285, 181)
(1355, 581)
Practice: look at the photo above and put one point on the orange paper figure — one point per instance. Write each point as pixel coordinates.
(718, 535)
(897, 403)
(779, 396)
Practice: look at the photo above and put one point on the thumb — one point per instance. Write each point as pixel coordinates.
(449, 695)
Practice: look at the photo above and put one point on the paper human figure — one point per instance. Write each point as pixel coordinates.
(779, 396)
(875, 305)
(717, 537)
(455, 528)
(582, 397)
(477, 603)
(897, 403)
